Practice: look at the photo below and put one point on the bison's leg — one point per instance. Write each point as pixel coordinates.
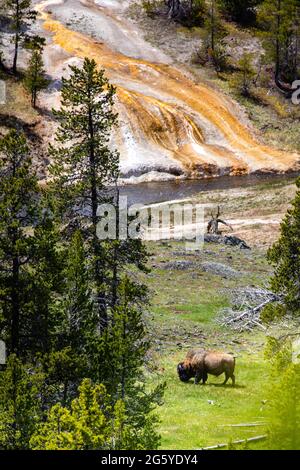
(204, 377)
(198, 377)
(226, 378)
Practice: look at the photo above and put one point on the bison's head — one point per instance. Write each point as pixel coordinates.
(184, 372)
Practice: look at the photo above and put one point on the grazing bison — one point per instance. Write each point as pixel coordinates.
(199, 363)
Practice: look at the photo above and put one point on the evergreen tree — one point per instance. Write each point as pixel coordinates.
(242, 11)
(79, 320)
(213, 49)
(73, 345)
(213, 24)
(30, 272)
(85, 122)
(20, 402)
(91, 423)
(18, 211)
(283, 393)
(279, 21)
(271, 18)
(21, 17)
(291, 41)
(124, 344)
(246, 75)
(52, 298)
(195, 11)
(35, 79)
(124, 349)
(285, 257)
(46, 267)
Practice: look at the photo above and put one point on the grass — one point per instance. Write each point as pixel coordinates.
(185, 308)
(194, 416)
(18, 102)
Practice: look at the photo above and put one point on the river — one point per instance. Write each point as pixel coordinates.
(156, 192)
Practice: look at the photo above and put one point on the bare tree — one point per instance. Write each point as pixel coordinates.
(213, 224)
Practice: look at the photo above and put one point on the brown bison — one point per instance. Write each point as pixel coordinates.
(199, 363)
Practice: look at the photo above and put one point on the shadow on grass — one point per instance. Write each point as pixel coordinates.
(238, 387)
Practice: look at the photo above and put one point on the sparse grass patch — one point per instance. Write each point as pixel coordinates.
(18, 103)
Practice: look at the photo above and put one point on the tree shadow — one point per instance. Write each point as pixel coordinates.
(13, 122)
(237, 386)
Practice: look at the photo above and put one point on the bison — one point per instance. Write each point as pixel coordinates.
(199, 363)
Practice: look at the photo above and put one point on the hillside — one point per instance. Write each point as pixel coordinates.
(176, 119)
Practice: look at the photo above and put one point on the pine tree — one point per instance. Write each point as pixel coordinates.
(246, 75)
(242, 11)
(285, 257)
(79, 317)
(279, 22)
(291, 41)
(85, 122)
(283, 393)
(125, 344)
(47, 283)
(18, 211)
(20, 402)
(35, 79)
(91, 423)
(73, 345)
(213, 48)
(124, 349)
(31, 263)
(21, 16)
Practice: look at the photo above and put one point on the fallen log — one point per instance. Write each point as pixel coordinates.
(263, 437)
(226, 240)
(242, 425)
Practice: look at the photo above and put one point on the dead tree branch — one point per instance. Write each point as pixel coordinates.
(247, 315)
(215, 221)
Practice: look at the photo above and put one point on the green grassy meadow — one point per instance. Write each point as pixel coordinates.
(194, 416)
(184, 314)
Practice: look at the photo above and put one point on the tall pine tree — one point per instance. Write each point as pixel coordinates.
(21, 16)
(18, 212)
(285, 257)
(84, 167)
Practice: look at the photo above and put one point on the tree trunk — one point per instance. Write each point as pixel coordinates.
(17, 38)
(277, 65)
(174, 8)
(99, 278)
(15, 321)
(14, 68)
(213, 25)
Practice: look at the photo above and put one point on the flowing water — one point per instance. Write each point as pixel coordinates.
(170, 125)
(156, 192)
